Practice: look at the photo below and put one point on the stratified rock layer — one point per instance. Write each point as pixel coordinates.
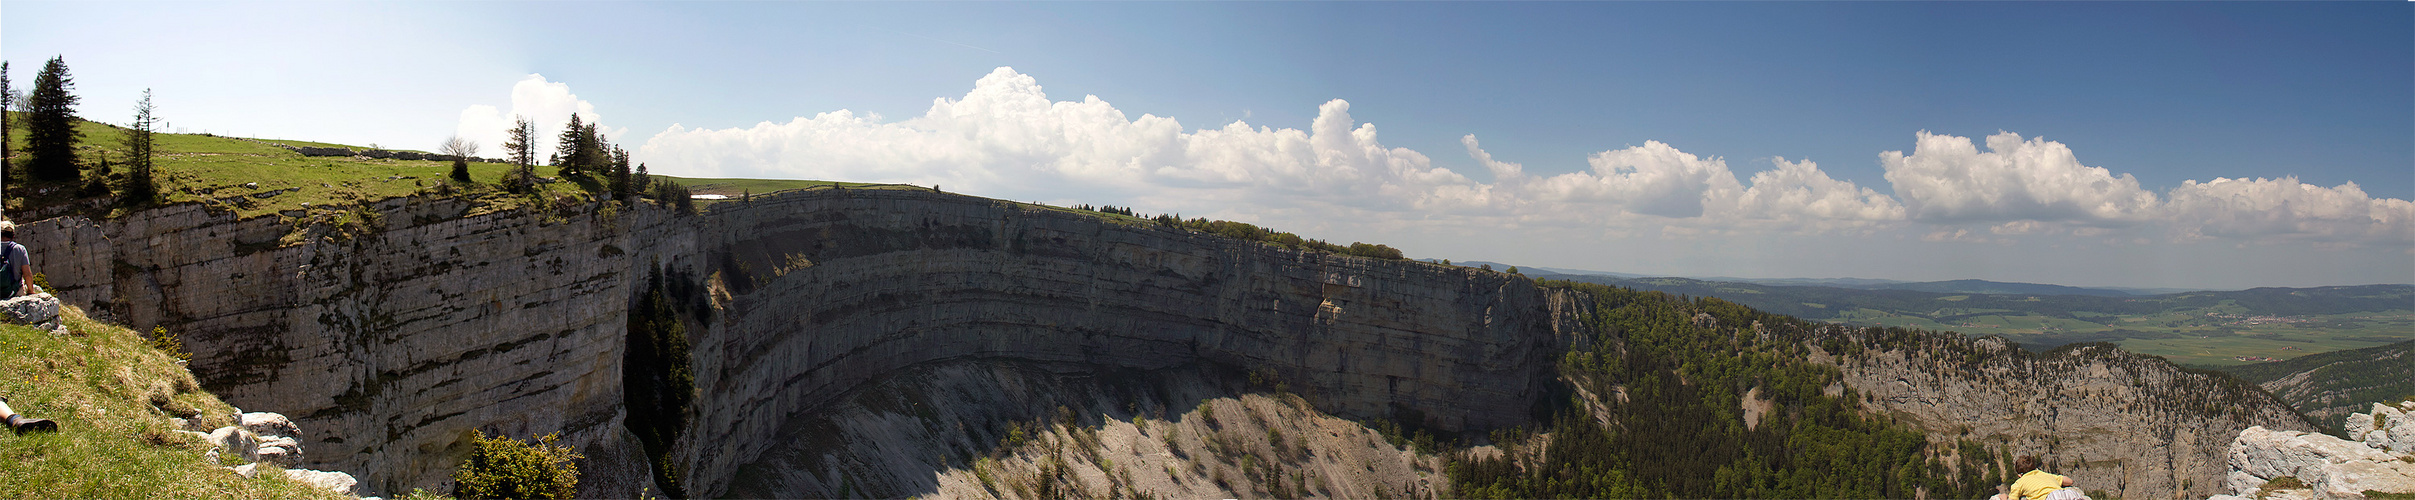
(826, 291)
(387, 345)
(2114, 421)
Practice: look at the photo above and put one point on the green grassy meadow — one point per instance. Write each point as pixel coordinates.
(254, 178)
(111, 392)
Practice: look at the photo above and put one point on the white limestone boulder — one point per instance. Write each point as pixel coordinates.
(269, 424)
(2388, 427)
(2332, 468)
(33, 309)
(235, 442)
(331, 481)
(262, 437)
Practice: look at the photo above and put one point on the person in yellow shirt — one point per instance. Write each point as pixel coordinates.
(2034, 484)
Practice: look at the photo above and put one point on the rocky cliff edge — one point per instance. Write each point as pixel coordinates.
(2378, 458)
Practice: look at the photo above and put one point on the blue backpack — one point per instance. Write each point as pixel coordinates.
(10, 282)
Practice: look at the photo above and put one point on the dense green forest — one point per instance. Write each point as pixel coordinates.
(1683, 365)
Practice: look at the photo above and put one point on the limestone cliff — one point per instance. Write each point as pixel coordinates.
(387, 346)
(826, 291)
(388, 343)
(2117, 422)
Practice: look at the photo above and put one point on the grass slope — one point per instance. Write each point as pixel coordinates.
(252, 177)
(101, 382)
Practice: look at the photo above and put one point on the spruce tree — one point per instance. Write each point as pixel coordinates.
(140, 189)
(595, 152)
(622, 188)
(521, 142)
(571, 151)
(638, 182)
(8, 101)
(50, 134)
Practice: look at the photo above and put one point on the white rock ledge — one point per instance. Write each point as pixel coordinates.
(2331, 468)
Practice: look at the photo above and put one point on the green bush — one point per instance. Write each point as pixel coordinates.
(502, 467)
(160, 339)
(1375, 250)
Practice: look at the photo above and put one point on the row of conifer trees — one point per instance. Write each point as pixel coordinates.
(49, 154)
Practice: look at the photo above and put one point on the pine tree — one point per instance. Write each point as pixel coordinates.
(140, 188)
(50, 124)
(521, 143)
(595, 152)
(8, 101)
(640, 181)
(571, 153)
(621, 186)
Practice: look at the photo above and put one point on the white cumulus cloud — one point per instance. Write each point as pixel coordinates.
(2036, 186)
(2286, 208)
(1799, 190)
(1948, 180)
(1005, 138)
(1659, 180)
(546, 103)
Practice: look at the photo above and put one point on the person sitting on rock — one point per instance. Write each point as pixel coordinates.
(16, 265)
(2034, 484)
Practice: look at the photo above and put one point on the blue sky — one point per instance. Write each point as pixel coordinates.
(1619, 94)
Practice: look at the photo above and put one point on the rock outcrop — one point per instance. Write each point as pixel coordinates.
(2269, 463)
(389, 344)
(2387, 428)
(2116, 422)
(36, 309)
(263, 438)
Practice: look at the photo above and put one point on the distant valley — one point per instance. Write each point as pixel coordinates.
(2212, 329)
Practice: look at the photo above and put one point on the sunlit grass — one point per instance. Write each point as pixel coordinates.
(100, 384)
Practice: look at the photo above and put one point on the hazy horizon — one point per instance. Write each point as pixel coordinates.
(2193, 145)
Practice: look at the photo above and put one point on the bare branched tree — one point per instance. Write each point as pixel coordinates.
(458, 146)
(461, 150)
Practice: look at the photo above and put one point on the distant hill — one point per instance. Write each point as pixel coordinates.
(1950, 286)
(2332, 385)
(1996, 287)
(1864, 283)
(2202, 328)
(1540, 271)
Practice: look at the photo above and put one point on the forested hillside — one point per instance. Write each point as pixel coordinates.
(1660, 393)
(2331, 385)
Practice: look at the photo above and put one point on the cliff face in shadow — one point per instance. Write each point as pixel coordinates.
(821, 292)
